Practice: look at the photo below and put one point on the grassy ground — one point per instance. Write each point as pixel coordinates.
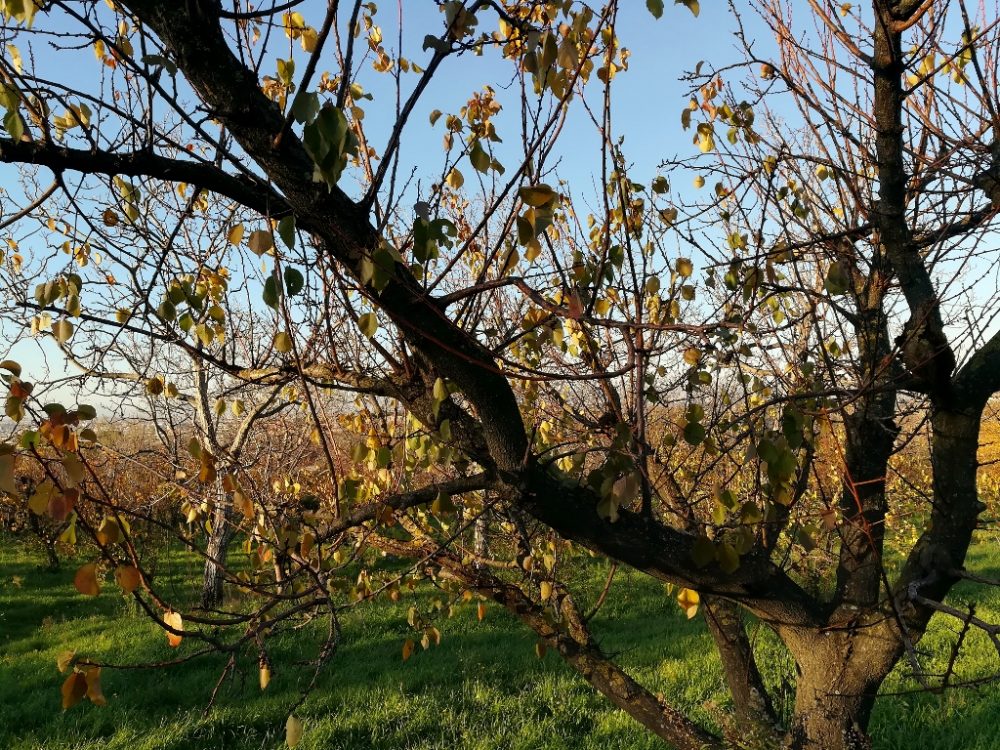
(483, 687)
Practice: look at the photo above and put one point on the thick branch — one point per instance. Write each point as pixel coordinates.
(255, 195)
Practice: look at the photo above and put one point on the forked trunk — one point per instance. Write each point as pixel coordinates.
(839, 674)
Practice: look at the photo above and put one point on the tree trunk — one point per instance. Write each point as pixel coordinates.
(217, 551)
(754, 712)
(480, 545)
(839, 674)
(48, 541)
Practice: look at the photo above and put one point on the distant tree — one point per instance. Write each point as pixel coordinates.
(558, 377)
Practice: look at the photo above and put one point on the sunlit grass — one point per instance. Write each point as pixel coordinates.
(483, 687)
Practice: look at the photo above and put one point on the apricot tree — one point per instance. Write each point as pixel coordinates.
(558, 377)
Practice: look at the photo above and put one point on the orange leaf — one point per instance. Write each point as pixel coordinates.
(481, 611)
(306, 544)
(85, 580)
(58, 509)
(174, 620)
(73, 690)
(128, 578)
(408, 645)
(92, 678)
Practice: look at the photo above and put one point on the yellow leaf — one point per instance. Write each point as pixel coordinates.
(293, 731)
(689, 601)
(85, 580)
(537, 196)
(265, 676)
(109, 532)
(65, 660)
(62, 330)
(309, 39)
(207, 473)
(368, 323)
(260, 242)
(706, 138)
(455, 179)
(283, 342)
(545, 590)
(175, 621)
(15, 58)
(244, 505)
(235, 234)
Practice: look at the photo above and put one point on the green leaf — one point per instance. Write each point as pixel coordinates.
(655, 7)
(368, 323)
(329, 140)
(479, 158)
(729, 560)
(305, 107)
(294, 281)
(838, 279)
(703, 551)
(166, 310)
(694, 433)
(271, 292)
(159, 61)
(286, 230)
(14, 125)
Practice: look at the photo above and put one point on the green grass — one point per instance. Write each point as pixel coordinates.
(482, 687)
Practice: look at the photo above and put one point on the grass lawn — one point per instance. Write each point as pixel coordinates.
(483, 687)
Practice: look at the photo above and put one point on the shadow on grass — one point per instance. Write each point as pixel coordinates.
(482, 688)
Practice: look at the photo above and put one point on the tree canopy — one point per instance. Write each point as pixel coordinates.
(758, 376)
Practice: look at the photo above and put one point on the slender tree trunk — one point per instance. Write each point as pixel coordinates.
(217, 550)
(755, 718)
(480, 543)
(48, 541)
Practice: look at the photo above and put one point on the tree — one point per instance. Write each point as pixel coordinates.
(567, 378)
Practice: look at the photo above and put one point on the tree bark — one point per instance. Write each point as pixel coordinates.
(217, 551)
(751, 703)
(839, 674)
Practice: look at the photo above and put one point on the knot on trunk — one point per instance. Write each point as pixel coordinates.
(925, 351)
